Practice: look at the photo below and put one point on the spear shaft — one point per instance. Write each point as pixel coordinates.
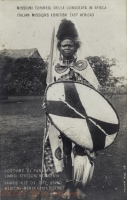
(49, 80)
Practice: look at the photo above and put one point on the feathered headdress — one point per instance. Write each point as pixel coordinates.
(67, 30)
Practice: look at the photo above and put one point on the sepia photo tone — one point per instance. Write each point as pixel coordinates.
(63, 99)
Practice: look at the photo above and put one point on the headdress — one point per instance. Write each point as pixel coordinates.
(67, 30)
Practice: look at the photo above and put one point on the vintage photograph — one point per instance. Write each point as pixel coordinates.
(63, 100)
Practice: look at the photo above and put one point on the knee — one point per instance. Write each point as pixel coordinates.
(78, 150)
(67, 146)
(67, 150)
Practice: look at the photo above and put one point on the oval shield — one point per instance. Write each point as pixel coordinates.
(82, 114)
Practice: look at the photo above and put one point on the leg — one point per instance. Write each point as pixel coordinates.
(67, 148)
(79, 151)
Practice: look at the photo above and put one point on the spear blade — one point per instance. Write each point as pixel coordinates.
(50, 63)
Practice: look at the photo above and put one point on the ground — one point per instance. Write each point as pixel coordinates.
(22, 126)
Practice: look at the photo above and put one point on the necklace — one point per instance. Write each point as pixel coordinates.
(69, 62)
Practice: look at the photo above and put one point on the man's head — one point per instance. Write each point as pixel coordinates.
(68, 41)
(67, 48)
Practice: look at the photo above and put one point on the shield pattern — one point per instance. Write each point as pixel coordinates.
(82, 114)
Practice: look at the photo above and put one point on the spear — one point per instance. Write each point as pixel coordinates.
(49, 80)
(50, 63)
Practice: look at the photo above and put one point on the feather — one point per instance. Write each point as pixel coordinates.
(66, 30)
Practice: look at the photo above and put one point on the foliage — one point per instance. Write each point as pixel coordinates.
(101, 68)
(22, 76)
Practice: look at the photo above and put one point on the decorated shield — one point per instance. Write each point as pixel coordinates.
(82, 114)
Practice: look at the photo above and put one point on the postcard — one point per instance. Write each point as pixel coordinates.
(31, 44)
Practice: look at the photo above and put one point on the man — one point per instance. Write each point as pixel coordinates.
(70, 69)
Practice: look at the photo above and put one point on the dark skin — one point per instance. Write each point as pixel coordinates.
(67, 49)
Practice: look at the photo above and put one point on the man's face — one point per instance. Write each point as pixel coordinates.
(67, 48)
